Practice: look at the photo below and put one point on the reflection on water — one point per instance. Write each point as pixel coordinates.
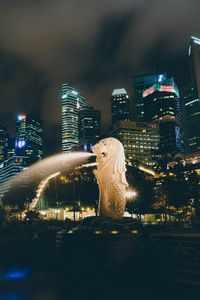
(22, 283)
(16, 274)
(12, 296)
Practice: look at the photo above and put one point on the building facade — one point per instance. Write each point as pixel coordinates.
(190, 100)
(120, 106)
(29, 138)
(194, 59)
(140, 84)
(9, 169)
(89, 127)
(140, 141)
(190, 110)
(3, 143)
(72, 101)
(161, 107)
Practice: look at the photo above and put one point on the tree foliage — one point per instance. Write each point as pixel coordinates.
(144, 188)
(18, 196)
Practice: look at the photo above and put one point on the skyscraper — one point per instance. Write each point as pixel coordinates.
(3, 142)
(71, 101)
(194, 56)
(28, 140)
(120, 106)
(9, 169)
(190, 100)
(190, 110)
(140, 84)
(161, 107)
(89, 121)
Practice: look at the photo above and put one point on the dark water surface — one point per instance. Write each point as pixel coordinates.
(43, 262)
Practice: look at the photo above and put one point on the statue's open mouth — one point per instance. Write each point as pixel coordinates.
(103, 154)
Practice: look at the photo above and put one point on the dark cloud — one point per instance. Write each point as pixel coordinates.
(94, 45)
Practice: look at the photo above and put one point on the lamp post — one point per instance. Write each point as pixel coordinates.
(130, 195)
(74, 198)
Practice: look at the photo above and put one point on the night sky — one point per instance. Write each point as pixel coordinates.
(94, 45)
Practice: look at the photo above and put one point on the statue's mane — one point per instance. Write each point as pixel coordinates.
(114, 162)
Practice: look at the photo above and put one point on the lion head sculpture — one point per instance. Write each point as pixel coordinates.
(110, 174)
(110, 157)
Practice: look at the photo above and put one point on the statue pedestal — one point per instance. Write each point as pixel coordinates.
(105, 243)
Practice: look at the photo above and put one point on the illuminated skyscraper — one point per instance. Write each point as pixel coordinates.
(161, 107)
(9, 169)
(190, 100)
(190, 108)
(194, 55)
(72, 101)
(89, 121)
(120, 106)
(140, 84)
(28, 140)
(3, 142)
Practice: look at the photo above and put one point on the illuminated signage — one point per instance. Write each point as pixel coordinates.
(21, 144)
(148, 92)
(161, 78)
(159, 88)
(167, 88)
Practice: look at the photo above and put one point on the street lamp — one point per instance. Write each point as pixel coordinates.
(74, 197)
(131, 194)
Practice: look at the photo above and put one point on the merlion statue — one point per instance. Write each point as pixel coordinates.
(110, 174)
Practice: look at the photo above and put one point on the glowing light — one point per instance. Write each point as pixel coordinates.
(119, 92)
(196, 100)
(167, 88)
(161, 77)
(78, 105)
(21, 144)
(134, 231)
(64, 96)
(97, 232)
(160, 88)
(21, 117)
(74, 92)
(147, 170)
(148, 92)
(130, 194)
(16, 274)
(41, 188)
(114, 232)
(196, 40)
(70, 231)
(43, 212)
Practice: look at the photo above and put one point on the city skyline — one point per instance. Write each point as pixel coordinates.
(95, 49)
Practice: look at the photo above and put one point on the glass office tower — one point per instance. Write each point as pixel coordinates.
(72, 101)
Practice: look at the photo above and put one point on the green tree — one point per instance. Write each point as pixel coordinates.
(194, 191)
(18, 196)
(144, 188)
